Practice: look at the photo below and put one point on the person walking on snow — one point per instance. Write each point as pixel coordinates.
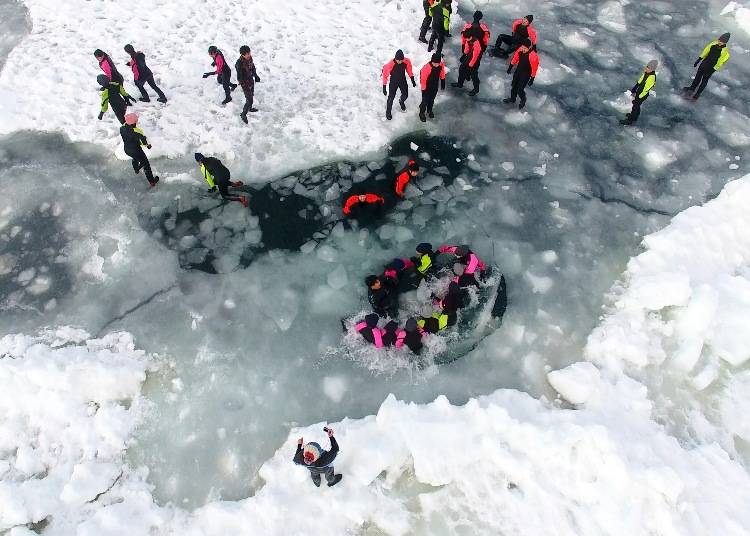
(520, 31)
(471, 58)
(441, 23)
(640, 92)
(432, 74)
(133, 140)
(397, 70)
(114, 95)
(427, 21)
(713, 57)
(108, 66)
(318, 461)
(246, 76)
(223, 72)
(142, 75)
(485, 30)
(526, 61)
(218, 176)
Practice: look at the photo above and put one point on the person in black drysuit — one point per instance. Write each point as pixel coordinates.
(471, 58)
(142, 75)
(223, 73)
(711, 59)
(382, 296)
(113, 95)
(427, 21)
(463, 279)
(520, 34)
(526, 64)
(246, 76)
(412, 336)
(440, 10)
(217, 175)
(430, 76)
(108, 66)
(395, 73)
(133, 140)
(318, 464)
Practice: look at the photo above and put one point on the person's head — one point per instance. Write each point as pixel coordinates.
(528, 19)
(310, 453)
(199, 158)
(361, 198)
(413, 168)
(131, 119)
(424, 248)
(651, 66)
(373, 282)
(478, 16)
(212, 50)
(525, 46)
(372, 320)
(411, 325)
(396, 264)
(436, 59)
(102, 80)
(399, 57)
(724, 38)
(459, 269)
(245, 52)
(462, 251)
(99, 54)
(129, 49)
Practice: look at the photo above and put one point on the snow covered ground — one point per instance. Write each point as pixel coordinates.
(207, 336)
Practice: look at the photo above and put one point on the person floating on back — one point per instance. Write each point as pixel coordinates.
(432, 74)
(713, 57)
(247, 76)
(397, 70)
(526, 61)
(114, 95)
(471, 58)
(133, 140)
(318, 461)
(218, 176)
(402, 179)
(520, 31)
(441, 23)
(640, 92)
(142, 75)
(362, 204)
(223, 73)
(108, 66)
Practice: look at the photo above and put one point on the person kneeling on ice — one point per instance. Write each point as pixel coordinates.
(318, 461)
(641, 91)
(464, 255)
(411, 336)
(223, 73)
(405, 175)
(218, 176)
(356, 205)
(424, 258)
(113, 94)
(381, 295)
(133, 140)
(526, 61)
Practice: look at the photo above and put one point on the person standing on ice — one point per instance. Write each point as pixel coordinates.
(318, 461)
(133, 140)
(640, 92)
(427, 21)
(526, 61)
(485, 39)
(441, 23)
(114, 95)
(246, 76)
(142, 75)
(713, 57)
(397, 70)
(520, 31)
(223, 73)
(407, 174)
(218, 176)
(432, 74)
(108, 66)
(471, 58)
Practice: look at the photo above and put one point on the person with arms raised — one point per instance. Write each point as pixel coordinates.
(318, 461)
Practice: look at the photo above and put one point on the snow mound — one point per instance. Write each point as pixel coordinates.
(686, 299)
(741, 12)
(318, 97)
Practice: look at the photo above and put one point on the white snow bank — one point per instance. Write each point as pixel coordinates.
(319, 95)
(741, 14)
(577, 383)
(686, 299)
(63, 425)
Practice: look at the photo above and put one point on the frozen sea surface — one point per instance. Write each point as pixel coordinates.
(233, 314)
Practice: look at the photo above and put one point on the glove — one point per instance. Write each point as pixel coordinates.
(212, 189)
(206, 75)
(697, 62)
(442, 83)
(413, 82)
(101, 114)
(531, 81)
(257, 78)
(148, 146)
(384, 91)
(510, 68)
